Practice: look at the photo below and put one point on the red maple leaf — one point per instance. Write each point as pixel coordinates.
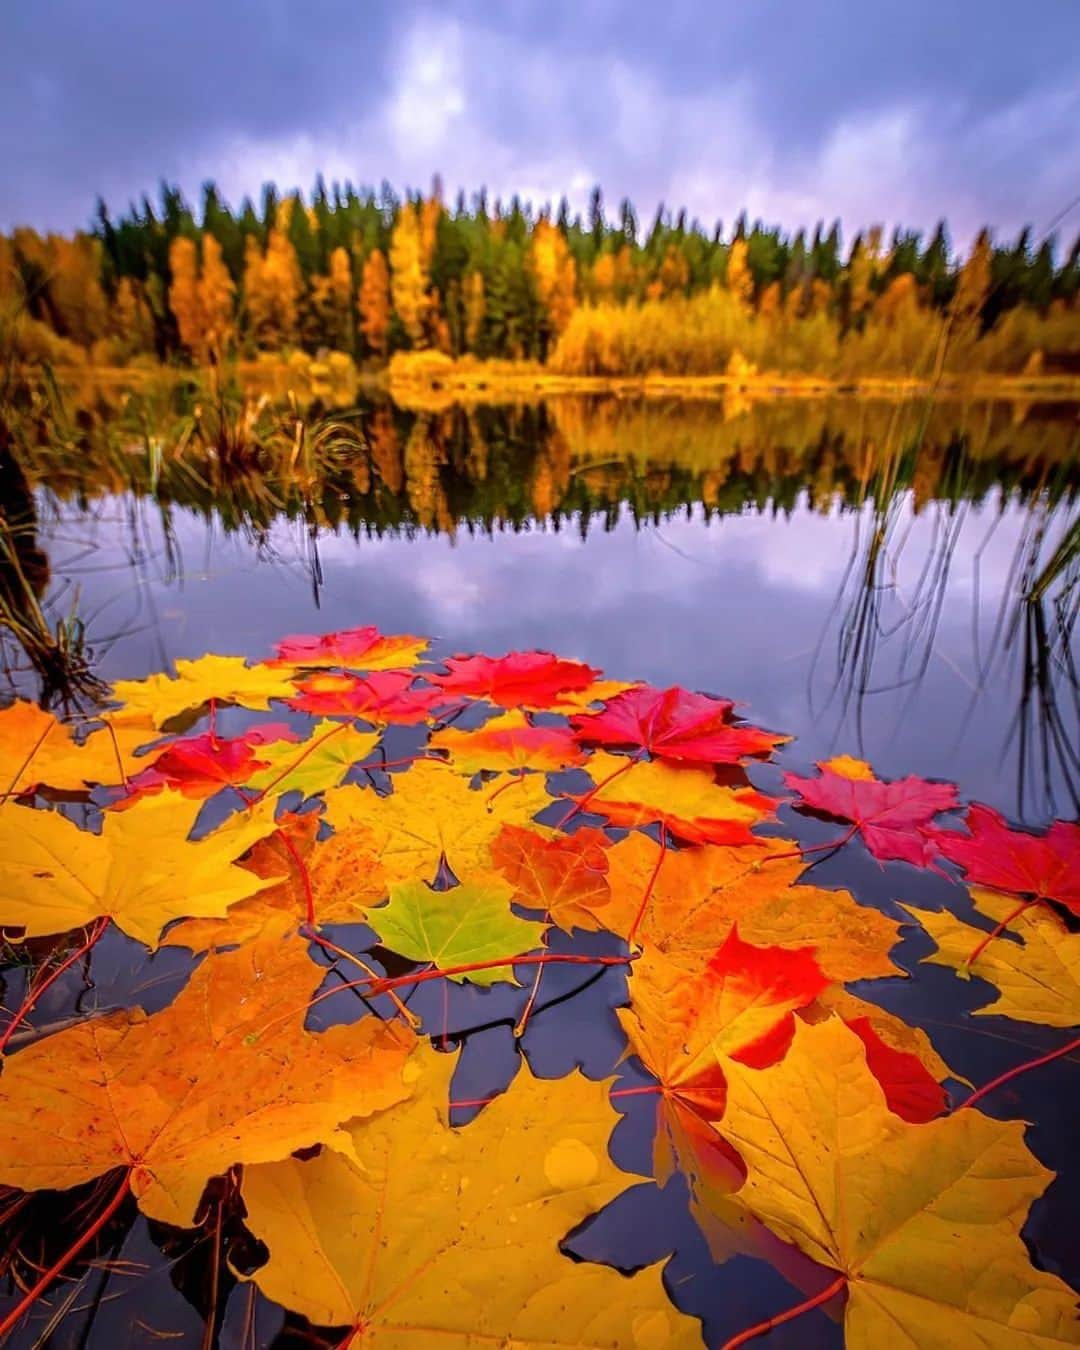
(1045, 866)
(517, 680)
(911, 1091)
(891, 817)
(199, 766)
(675, 724)
(360, 648)
(383, 696)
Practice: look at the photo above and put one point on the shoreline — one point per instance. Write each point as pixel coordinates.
(507, 382)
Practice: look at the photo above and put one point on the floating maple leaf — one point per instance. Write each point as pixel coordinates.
(509, 742)
(909, 1089)
(1037, 978)
(55, 877)
(1044, 866)
(356, 648)
(36, 749)
(688, 802)
(226, 1074)
(700, 893)
(433, 814)
(565, 876)
(199, 766)
(469, 923)
(517, 680)
(921, 1222)
(451, 1236)
(675, 724)
(383, 697)
(341, 874)
(890, 817)
(322, 761)
(159, 699)
(741, 1005)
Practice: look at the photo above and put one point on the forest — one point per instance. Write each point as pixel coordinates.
(370, 274)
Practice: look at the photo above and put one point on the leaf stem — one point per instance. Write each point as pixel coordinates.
(36, 990)
(1018, 1070)
(32, 1294)
(383, 985)
(652, 882)
(999, 929)
(770, 1322)
(309, 750)
(801, 852)
(583, 802)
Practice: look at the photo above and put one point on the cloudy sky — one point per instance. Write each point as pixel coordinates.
(793, 109)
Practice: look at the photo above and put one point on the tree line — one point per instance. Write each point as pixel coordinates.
(369, 273)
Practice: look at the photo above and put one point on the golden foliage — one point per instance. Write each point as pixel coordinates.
(392, 1256)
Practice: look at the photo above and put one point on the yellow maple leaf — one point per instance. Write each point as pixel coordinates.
(431, 813)
(343, 872)
(451, 1236)
(226, 1074)
(922, 1221)
(158, 699)
(142, 870)
(699, 893)
(36, 748)
(1037, 978)
(844, 766)
(894, 1031)
(583, 700)
(689, 802)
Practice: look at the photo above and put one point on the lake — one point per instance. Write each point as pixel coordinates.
(896, 582)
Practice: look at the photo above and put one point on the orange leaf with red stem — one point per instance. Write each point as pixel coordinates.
(687, 801)
(566, 876)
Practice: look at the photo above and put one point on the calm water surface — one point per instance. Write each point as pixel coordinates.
(871, 582)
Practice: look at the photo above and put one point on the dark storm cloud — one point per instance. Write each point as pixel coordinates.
(794, 109)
